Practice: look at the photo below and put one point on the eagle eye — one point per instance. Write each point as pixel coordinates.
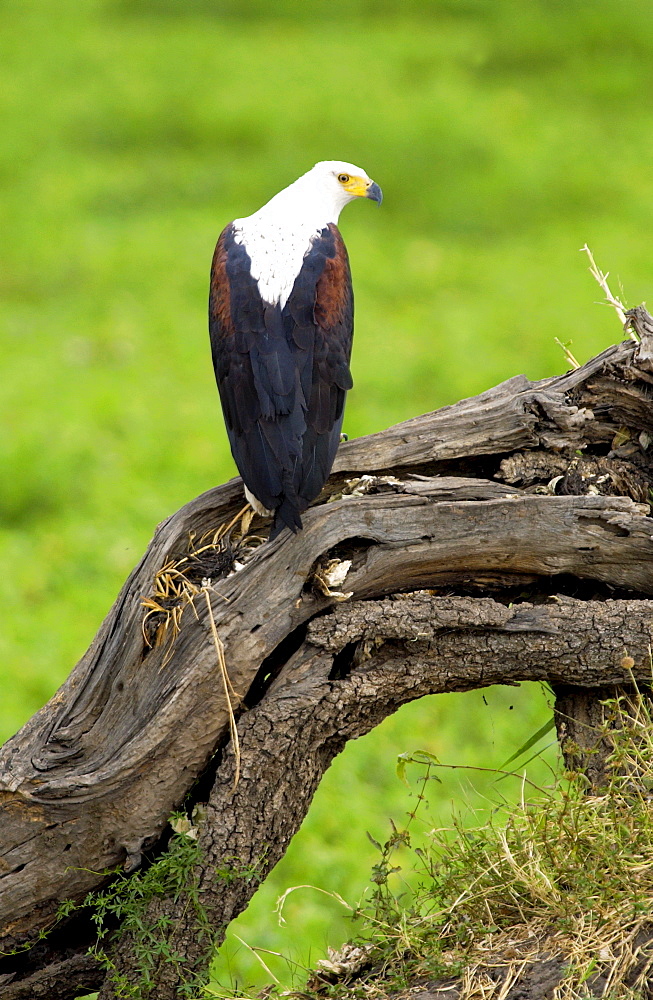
(343, 178)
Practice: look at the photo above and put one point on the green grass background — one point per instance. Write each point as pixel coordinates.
(505, 134)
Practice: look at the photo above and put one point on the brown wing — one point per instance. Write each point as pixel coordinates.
(330, 327)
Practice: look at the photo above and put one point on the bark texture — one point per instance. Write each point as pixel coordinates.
(323, 634)
(357, 666)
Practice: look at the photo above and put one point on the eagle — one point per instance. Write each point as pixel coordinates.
(281, 323)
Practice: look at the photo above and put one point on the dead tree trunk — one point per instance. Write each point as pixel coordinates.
(401, 584)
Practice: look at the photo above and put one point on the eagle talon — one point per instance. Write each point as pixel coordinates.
(256, 505)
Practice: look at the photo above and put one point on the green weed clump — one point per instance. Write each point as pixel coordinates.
(126, 903)
(566, 875)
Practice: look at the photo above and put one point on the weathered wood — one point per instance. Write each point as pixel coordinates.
(513, 415)
(65, 980)
(79, 774)
(580, 719)
(76, 789)
(395, 651)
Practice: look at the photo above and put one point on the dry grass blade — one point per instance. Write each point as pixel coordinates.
(256, 953)
(217, 554)
(567, 353)
(513, 976)
(616, 303)
(178, 583)
(227, 685)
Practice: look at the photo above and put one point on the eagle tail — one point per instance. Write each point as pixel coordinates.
(286, 515)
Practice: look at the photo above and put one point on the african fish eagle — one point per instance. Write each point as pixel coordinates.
(281, 324)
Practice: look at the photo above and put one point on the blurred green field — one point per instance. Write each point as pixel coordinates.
(505, 134)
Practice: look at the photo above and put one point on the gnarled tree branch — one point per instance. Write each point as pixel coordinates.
(529, 483)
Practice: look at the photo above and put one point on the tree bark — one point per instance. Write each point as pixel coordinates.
(540, 485)
(355, 667)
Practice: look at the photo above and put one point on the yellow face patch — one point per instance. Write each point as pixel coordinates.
(354, 185)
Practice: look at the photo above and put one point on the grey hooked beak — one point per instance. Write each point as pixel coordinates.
(374, 192)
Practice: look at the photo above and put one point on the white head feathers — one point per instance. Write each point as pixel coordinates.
(278, 236)
(322, 187)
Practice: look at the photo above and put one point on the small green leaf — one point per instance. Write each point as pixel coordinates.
(530, 742)
(402, 760)
(373, 841)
